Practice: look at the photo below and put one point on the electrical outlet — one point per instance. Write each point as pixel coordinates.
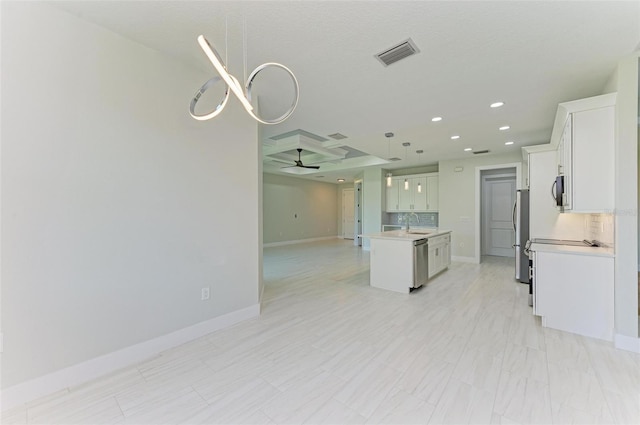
(205, 294)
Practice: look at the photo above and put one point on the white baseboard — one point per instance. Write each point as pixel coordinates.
(464, 259)
(627, 343)
(324, 238)
(77, 374)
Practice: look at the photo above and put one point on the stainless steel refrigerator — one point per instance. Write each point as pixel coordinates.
(521, 228)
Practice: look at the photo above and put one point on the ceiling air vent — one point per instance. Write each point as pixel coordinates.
(479, 152)
(400, 51)
(337, 136)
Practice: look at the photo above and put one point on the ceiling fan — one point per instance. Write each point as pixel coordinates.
(300, 164)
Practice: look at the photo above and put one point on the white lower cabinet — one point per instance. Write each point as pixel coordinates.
(574, 293)
(439, 254)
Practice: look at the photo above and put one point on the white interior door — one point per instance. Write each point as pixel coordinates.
(499, 194)
(348, 214)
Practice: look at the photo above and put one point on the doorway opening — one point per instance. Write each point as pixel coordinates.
(498, 195)
(501, 215)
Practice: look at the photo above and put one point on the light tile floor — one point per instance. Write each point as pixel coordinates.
(329, 349)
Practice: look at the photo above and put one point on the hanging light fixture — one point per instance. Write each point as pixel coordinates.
(406, 147)
(389, 175)
(233, 85)
(419, 151)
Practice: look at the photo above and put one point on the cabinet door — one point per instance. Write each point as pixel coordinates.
(593, 154)
(567, 147)
(405, 195)
(446, 255)
(432, 193)
(575, 293)
(420, 193)
(392, 195)
(534, 284)
(434, 261)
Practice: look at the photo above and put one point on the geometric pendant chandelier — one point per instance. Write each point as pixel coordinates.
(234, 85)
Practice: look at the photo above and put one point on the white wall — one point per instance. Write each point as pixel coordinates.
(296, 209)
(117, 207)
(625, 81)
(457, 199)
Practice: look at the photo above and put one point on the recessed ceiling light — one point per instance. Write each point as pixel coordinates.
(340, 180)
(455, 137)
(497, 104)
(508, 143)
(504, 127)
(467, 149)
(436, 119)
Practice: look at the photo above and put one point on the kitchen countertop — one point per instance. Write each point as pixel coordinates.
(568, 249)
(403, 235)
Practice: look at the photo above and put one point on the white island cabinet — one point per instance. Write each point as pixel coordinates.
(397, 264)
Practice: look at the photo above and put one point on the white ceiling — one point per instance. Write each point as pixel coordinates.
(531, 55)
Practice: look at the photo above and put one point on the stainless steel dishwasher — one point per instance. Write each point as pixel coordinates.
(420, 263)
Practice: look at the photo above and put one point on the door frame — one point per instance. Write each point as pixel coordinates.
(478, 184)
(484, 222)
(357, 210)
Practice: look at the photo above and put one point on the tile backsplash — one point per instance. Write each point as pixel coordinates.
(600, 228)
(426, 219)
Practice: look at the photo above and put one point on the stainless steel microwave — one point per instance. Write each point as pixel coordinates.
(558, 191)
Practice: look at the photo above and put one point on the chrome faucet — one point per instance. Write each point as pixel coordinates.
(407, 218)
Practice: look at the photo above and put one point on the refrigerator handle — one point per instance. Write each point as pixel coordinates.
(513, 216)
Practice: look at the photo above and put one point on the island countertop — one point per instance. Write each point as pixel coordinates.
(412, 235)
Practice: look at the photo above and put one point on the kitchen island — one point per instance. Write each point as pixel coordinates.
(404, 260)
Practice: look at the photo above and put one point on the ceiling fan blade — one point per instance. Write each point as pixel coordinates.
(315, 167)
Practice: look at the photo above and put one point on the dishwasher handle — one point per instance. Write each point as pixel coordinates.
(420, 242)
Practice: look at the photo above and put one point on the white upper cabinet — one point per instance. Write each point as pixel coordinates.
(393, 203)
(432, 192)
(585, 131)
(417, 193)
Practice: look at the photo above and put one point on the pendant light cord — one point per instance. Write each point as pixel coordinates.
(226, 40)
(244, 45)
